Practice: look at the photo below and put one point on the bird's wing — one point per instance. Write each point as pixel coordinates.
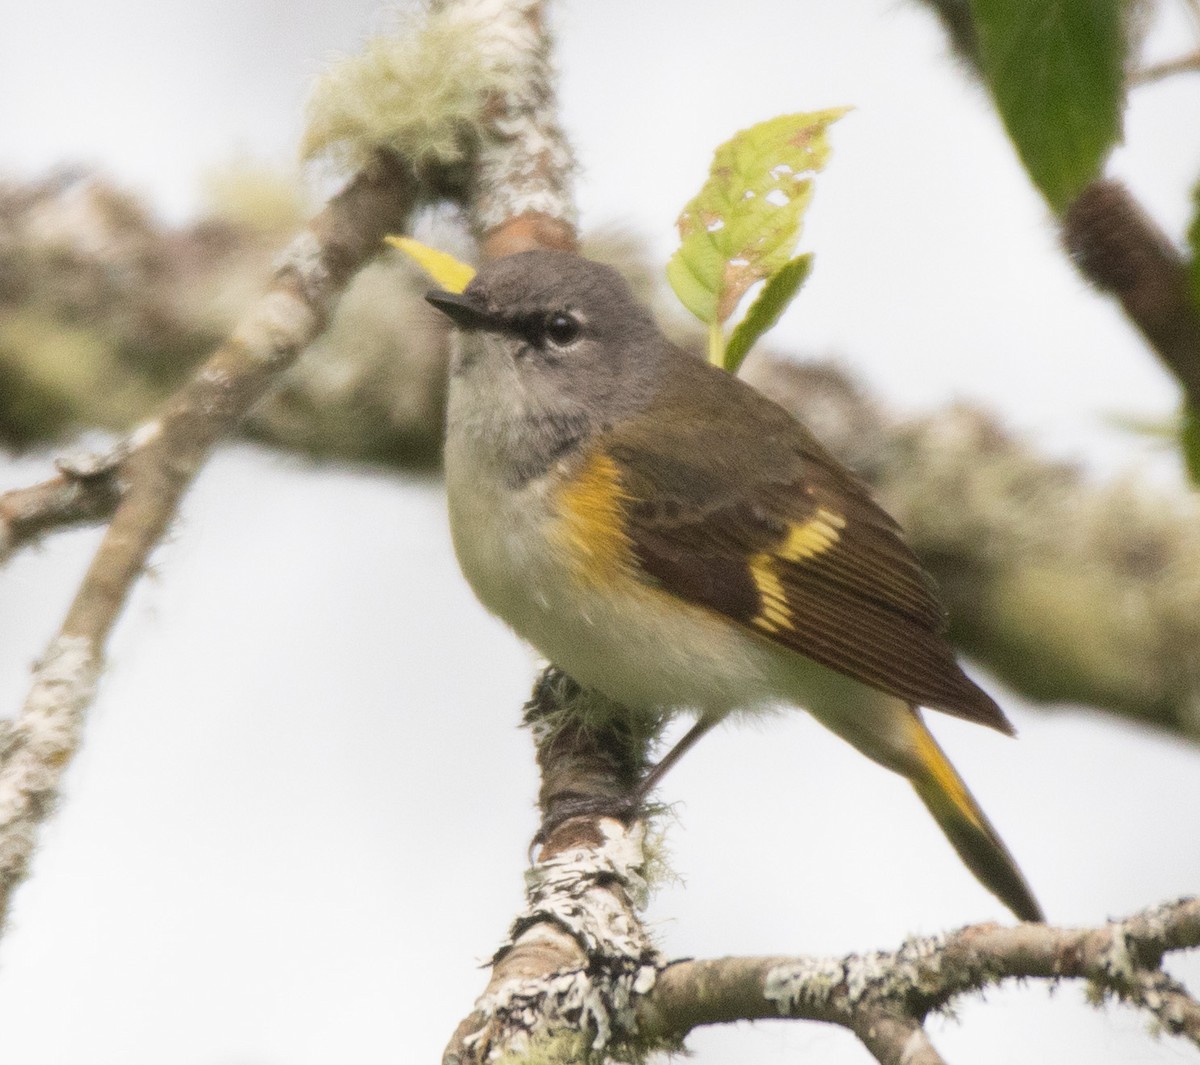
(730, 503)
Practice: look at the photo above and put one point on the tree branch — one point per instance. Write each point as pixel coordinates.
(577, 955)
(105, 313)
(80, 494)
(884, 997)
(520, 189)
(1030, 555)
(578, 973)
(1120, 250)
(155, 470)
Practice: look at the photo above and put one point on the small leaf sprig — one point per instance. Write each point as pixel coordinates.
(743, 226)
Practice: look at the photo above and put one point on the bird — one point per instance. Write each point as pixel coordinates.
(671, 538)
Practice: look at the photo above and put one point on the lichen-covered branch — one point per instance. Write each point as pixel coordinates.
(884, 997)
(155, 470)
(105, 313)
(579, 976)
(577, 956)
(1029, 554)
(521, 184)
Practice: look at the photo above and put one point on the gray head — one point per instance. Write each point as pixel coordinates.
(552, 347)
(556, 309)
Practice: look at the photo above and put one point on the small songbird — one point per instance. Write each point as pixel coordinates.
(670, 537)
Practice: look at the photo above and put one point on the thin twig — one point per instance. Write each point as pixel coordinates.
(63, 501)
(1184, 64)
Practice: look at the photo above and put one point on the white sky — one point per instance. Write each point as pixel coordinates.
(300, 816)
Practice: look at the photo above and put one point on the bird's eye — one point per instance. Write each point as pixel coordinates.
(561, 328)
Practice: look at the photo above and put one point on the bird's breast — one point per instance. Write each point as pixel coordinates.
(552, 559)
(530, 550)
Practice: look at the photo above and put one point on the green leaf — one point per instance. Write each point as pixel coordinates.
(764, 312)
(1189, 440)
(1056, 69)
(744, 223)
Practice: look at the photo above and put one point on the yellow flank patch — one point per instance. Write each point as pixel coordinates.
(944, 775)
(804, 540)
(812, 537)
(590, 525)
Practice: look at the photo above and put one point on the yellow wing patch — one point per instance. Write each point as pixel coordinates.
(811, 538)
(774, 614)
(804, 540)
(590, 525)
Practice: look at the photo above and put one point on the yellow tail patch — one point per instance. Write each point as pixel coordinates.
(942, 774)
(966, 826)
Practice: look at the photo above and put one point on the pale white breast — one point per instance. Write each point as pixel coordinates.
(634, 643)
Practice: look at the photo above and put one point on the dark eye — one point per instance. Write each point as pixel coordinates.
(561, 328)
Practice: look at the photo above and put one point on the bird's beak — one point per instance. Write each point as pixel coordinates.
(461, 310)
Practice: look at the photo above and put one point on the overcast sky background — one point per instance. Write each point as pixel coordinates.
(299, 819)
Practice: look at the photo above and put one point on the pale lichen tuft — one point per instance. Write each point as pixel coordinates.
(418, 91)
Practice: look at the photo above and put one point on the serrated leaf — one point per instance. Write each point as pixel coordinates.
(451, 273)
(764, 312)
(744, 223)
(1189, 441)
(1056, 70)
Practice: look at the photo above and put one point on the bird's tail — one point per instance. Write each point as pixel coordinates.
(966, 826)
(893, 733)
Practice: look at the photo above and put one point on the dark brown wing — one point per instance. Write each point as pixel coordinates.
(732, 504)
